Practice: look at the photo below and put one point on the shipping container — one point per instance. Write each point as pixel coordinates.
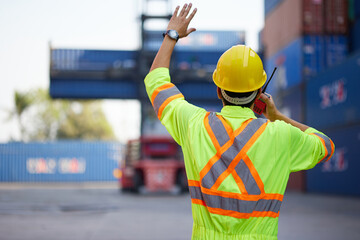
(336, 49)
(339, 175)
(289, 21)
(270, 5)
(355, 36)
(336, 16)
(313, 19)
(291, 102)
(357, 8)
(64, 161)
(332, 96)
(301, 58)
(198, 41)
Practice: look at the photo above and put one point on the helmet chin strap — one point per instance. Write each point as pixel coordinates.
(238, 101)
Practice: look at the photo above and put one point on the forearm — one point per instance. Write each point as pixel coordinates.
(163, 56)
(282, 117)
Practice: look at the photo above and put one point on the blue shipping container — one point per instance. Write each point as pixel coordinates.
(289, 64)
(339, 175)
(65, 161)
(198, 41)
(336, 49)
(291, 103)
(270, 5)
(92, 60)
(355, 35)
(332, 96)
(305, 57)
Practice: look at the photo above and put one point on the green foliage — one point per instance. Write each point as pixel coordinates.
(42, 118)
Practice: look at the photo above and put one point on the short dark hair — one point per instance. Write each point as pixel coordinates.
(239, 95)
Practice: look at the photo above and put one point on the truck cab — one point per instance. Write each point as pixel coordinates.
(153, 164)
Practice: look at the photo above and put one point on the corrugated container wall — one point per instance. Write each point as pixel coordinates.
(355, 36)
(336, 16)
(339, 175)
(332, 98)
(290, 20)
(66, 161)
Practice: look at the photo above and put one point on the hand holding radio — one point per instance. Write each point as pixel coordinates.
(270, 112)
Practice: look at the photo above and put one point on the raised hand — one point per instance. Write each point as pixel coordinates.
(180, 21)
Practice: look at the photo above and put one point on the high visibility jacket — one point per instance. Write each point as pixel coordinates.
(237, 165)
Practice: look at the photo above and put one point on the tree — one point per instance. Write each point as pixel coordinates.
(22, 102)
(43, 118)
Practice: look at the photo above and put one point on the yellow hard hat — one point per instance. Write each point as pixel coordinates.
(239, 69)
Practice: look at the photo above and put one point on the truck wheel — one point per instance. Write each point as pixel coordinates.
(138, 181)
(181, 181)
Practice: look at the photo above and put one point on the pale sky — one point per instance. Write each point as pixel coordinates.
(28, 26)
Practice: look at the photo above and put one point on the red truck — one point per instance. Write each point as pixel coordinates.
(153, 164)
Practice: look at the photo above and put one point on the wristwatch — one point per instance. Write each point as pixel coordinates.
(173, 34)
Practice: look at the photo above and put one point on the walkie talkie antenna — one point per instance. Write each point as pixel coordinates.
(269, 79)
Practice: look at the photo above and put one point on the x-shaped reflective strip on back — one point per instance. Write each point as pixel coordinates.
(222, 167)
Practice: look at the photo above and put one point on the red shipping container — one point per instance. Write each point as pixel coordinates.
(313, 20)
(289, 21)
(336, 16)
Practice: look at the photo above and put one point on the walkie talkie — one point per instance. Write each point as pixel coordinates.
(260, 105)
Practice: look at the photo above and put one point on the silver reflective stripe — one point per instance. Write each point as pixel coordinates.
(327, 143)
(226, 158)
(195, 193)
(249, 182)
(163, 95)
(221, 134)
(237, 205)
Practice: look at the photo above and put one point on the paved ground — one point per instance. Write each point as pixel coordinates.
(101, 212)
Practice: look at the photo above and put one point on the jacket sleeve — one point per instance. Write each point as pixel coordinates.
(169, 104)
(308, 148)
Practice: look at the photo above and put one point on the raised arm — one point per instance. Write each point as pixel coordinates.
(178, 22)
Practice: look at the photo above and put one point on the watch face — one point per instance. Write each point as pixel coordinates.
(173, 34)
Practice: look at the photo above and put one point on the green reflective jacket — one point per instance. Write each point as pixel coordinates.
(235, 197)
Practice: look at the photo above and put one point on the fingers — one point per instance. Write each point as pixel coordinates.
(176, 11)
(183, 10)
(190, 30)
(192, 14)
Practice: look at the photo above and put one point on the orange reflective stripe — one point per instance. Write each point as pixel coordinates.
(239, 182)
(159, 89)
(327, 144)
(267, 205)
(240, 196)
(332, 149)
(198, 201)
(218, 154)
(241, 155)
(167, 101)
(211, 134)
(193, 183)
(226, 125)
(242, 215)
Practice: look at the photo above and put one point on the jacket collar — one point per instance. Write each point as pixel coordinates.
(237, 112)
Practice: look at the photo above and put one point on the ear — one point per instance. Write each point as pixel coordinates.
(219, 93)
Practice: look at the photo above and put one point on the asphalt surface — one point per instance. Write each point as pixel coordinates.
(101, 212)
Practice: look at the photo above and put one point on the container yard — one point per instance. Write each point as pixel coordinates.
(147, 186)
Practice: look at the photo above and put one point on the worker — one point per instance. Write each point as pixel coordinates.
(237, 165)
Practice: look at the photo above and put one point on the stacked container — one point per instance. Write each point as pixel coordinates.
(311, 32)
(302, 38)
(354, 15)
(333, 107)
